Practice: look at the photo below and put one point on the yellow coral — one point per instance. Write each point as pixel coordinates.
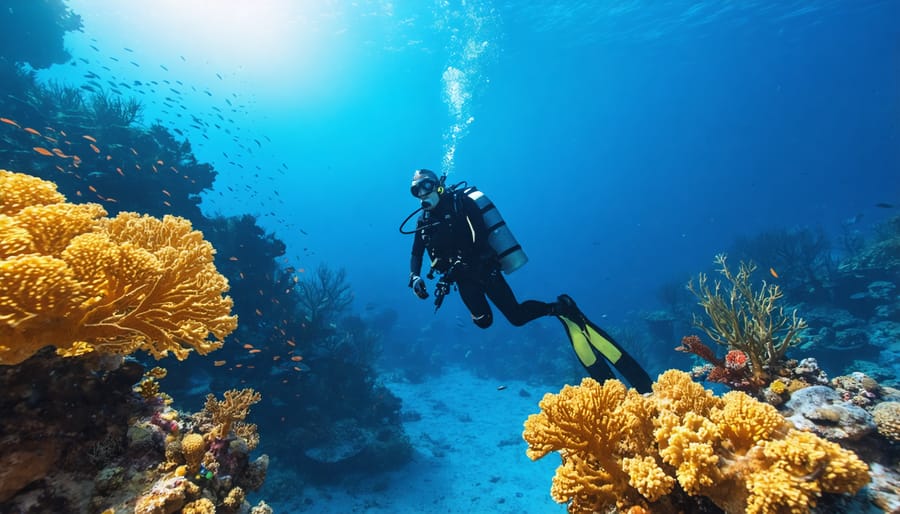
(738, 452)
(18, 191)
(201, 506)
(778, 387)
(249, 433)
(648, 477)
(234, 499)
(594, 427)
(72, 278)
(745, 422)
(234, 408)
(192, 448)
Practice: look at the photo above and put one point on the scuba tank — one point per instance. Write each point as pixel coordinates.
(500, 238)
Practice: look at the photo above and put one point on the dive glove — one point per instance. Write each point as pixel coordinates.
(418, 286)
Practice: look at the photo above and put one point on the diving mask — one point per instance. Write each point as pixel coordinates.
(423, 188)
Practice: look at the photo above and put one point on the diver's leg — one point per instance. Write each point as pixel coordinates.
(518, 314)
(472, 295)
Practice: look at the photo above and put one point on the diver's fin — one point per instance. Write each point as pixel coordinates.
(622, 360)
(596, 368)
(588, 340)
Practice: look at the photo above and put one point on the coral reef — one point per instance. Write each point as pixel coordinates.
(119, 451)
(84, 283)
(747, 320)
(660, 452)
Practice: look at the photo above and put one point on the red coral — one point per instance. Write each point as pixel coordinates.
(693, 344)
(736, 360)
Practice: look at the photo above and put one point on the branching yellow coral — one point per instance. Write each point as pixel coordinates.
(740, 453)
(73, 279)
(594, 427)
(233, 409)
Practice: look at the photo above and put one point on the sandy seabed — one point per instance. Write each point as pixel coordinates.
(469, 455)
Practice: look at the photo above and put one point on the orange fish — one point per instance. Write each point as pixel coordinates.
(218, 363)
(94, 148)
(248, 346)
(772, 272)
(258, 312)
(59, 153)
(232, 258)
(255, 350)
(43, 151)
(31, 131)
(10, 122)
(93, 189)
(297, 369)
(292, 343)
(160, 163)
(167, 204)
(89, 138)
(296, 358)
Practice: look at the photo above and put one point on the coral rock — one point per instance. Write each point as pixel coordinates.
(27, 463)
(821, 410)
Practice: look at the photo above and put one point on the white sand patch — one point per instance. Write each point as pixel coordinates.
(469, 455)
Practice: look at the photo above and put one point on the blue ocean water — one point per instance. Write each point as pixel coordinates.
(625, 142)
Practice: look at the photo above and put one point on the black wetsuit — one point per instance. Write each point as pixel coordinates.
(456, 239)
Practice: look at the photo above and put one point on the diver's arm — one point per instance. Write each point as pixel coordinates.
(415, 267)
(415, 261)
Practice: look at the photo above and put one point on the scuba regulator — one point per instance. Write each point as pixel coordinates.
(442, 288)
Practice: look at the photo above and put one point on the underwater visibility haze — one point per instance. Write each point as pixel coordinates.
(716, 184)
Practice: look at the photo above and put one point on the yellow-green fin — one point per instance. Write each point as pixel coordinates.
(579, 342)
(603, 345)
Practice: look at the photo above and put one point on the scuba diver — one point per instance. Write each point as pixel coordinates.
(469, 245)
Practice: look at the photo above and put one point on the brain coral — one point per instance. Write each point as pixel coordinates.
(72, 278)
(887, 419)
(624, 450)
(192, 448)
